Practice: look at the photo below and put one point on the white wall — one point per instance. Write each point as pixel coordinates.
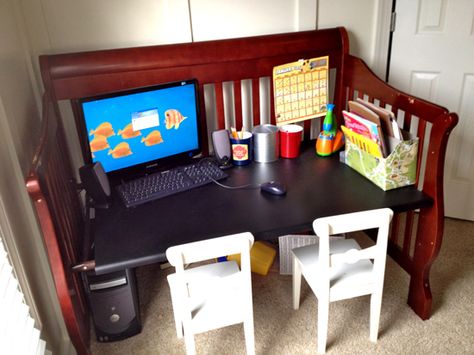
(56, 26)
(89, 24)
(229, 18)
(19, 128)
(29, 28)
(359, 18)
(15, 84)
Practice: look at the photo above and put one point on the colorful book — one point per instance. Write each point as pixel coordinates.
(361, 125)
(364, 112)
(363, 142)
(365, 128)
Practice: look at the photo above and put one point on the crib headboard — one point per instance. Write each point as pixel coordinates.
(241, 63)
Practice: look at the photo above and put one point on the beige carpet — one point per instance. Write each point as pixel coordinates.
(281, 330)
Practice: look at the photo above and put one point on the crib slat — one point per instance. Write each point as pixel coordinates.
(421, 136)
(407, 121)
(219, 106)
(256, 101)
(272, 105)
(408, 233)
(395, 228)
(238, 103)
(350, 95)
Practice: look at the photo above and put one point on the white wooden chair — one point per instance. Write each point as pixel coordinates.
(215, 295)
(340, 269)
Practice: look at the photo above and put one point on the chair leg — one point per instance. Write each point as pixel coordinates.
(375, 308)
(296, 283)
(323, 319)
(189, 342)
(177, 317)
(249, 337)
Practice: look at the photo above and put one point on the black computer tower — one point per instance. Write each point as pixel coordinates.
(113, 301)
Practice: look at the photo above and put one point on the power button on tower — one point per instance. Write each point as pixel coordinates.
(114, 318)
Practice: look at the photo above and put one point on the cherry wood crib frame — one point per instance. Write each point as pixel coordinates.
(219, 65)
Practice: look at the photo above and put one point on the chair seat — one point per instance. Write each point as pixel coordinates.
(355, 278)
(215, 299)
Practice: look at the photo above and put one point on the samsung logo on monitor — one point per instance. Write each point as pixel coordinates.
(151, 166)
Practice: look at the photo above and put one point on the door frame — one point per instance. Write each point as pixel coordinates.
(382, 37)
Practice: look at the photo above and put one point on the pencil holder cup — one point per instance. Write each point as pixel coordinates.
(242, 149)
(265, 143)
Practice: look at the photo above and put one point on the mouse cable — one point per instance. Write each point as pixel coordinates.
(245, 186)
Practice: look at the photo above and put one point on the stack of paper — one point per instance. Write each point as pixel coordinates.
(369, 126)
(387, 119)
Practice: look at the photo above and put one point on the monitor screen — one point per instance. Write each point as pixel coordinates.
(139, 127)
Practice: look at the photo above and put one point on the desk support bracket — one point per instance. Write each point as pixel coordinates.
(84, 266)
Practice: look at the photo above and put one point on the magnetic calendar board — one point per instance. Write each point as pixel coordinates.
(301, 90)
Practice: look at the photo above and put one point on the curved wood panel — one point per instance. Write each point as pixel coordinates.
(97, 72)
(52, 189)
(358, 77)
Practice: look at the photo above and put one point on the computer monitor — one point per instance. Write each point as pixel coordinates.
(135, 130)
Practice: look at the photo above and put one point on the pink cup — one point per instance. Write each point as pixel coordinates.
(290, 140)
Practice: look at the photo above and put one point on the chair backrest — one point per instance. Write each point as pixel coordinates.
(351, 222)
(183, 254)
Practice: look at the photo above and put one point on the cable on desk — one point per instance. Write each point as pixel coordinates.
(249, 186)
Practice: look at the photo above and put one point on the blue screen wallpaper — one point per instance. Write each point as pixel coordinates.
(132, 129)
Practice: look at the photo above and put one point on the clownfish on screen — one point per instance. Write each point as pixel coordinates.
(99, 143)
(127, 132)
(121, 150)
(154, 137)
(173, 118)
(104, 129)
(101, 133)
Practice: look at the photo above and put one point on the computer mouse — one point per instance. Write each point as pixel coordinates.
(273, 187)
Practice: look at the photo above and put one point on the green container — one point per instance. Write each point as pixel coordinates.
(397, 170)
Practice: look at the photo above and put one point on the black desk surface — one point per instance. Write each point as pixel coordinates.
(317, 187)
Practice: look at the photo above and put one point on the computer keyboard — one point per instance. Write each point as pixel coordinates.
(158, 185)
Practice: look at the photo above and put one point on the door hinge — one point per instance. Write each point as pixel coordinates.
(393, 21)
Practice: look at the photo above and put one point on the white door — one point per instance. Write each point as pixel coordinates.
(433, 58)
